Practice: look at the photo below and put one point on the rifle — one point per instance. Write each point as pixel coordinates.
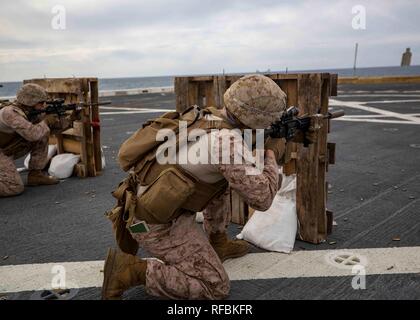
(59, 108)
(289, 124)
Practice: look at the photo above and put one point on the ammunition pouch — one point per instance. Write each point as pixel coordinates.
(163, 199)
(16, 147)
(174, 192)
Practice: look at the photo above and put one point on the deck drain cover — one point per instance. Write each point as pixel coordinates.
(346, 259)
(60, 294)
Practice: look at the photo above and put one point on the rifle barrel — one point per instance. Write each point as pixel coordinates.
(335, 114)
(102, 103)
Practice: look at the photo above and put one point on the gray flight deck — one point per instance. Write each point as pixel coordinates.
(374, 194)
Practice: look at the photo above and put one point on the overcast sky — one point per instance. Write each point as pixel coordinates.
(128, 38)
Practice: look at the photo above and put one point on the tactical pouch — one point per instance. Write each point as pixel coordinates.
(123, 237)
(18, 148)
(162, 201)
(122, 215)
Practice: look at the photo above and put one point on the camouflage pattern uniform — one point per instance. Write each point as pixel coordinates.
(187, 265)
(35, 138)
(191, 268)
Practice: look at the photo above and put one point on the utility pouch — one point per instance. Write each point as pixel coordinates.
(122, 215)
(17, 148)
(162, 201)
(123, 236)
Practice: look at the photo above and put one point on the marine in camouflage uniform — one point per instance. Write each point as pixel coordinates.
(189, 261)
(19, 136)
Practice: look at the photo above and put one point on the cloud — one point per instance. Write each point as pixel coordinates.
(143, 38)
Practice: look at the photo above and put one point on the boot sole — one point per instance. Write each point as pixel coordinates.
(233, 256)
(108, 268)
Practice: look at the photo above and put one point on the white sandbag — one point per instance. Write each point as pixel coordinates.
(275, 229)
(62, 165)
(52, 151)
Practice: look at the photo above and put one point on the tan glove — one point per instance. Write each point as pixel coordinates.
(278, 146)
(52, 120)
(312, 133)
(74, 116)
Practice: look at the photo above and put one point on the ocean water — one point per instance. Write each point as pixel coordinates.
(110, 84)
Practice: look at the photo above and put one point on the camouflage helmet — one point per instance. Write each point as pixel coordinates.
(255, 100)
(31, 94)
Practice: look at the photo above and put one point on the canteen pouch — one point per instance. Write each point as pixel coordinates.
(162, 201)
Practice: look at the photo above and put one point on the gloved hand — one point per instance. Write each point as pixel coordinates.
(312, 133)
(52, 120)
(74, 116)
(277, 145)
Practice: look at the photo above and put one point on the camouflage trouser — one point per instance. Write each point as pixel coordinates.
(191, 268)
(11, 183)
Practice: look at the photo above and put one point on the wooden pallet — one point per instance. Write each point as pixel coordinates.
(310, 92)
(84, 137)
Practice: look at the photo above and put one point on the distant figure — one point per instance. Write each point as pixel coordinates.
(406, 58)
(19, 135)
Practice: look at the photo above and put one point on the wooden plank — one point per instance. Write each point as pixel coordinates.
(201, 95)
(77, 129)
(58, 85)
(333, 85)
(72, 146)
(96, 126)
(68, 145)
(210, 101)
(80, 170)
(290, 88)
(59, 143)
(193, 94)
(181, 91)
(87, 141)
(330, 221)
(251, 211)
(307, 193)
(221, 89)
(322, 165)
(331, 152)
(201, 78)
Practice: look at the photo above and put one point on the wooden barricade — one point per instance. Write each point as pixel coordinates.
(84, 137)
(310, 93)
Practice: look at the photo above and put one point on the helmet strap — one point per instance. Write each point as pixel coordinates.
(230, 117)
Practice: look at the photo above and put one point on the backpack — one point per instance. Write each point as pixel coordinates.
(170, 190)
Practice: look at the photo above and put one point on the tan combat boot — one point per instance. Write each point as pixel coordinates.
(38, 178)
(226, 248)
(122, 271)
